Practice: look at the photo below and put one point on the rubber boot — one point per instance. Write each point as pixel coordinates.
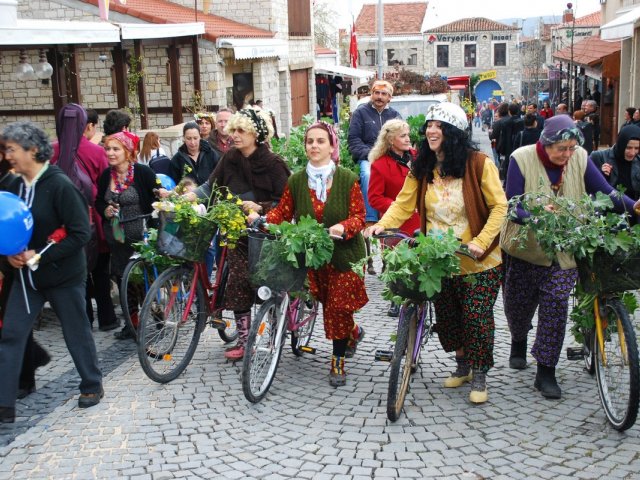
(242, 325)
(518, 356)
(357, 334)
(478, 387)
(394, 310)
(337, 375)
(461, 376)
(546, 382)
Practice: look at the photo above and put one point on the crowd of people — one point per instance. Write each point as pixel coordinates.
(100, 197)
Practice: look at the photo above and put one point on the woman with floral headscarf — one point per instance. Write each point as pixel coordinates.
(251, 171)
(332, 195)
(555, 165)
(125, 194)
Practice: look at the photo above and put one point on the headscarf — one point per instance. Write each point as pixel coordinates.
(258, 123)
(128, 141)
(628, 132)
(333, 138)
(560, 129)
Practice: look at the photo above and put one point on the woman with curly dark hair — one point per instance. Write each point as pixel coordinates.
(455, 186)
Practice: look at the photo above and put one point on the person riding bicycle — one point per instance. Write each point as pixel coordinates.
(455, 186)
(556, 165)
(332, 195)
(258, 176)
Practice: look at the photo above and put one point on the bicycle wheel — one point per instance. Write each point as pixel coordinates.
(617, 366)
(136, 280)
(169, 328)
(306, 315)
(262, 351)
(402, 361)
(588, 351)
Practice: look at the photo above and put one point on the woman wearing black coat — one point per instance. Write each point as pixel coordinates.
(195, 158)
(620, 164)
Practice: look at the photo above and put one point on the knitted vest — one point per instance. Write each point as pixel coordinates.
(474, 204)
(336, 209)
(537, 180)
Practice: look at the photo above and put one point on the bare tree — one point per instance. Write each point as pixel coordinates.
(324, 25)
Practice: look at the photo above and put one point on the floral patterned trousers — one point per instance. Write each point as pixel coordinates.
(527, 287)
(464, 315)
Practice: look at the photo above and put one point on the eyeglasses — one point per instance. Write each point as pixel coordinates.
(566, 149)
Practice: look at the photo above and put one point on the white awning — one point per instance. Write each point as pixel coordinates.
(57, 32)
(344, 71)
(621, 27)
(244, 48)
(142, 31)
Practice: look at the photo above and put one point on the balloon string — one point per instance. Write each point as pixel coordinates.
(24, 292)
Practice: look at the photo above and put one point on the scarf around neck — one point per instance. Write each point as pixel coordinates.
(319, 177)
(403, 160)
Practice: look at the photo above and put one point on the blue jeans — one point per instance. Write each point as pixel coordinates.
(365, 174)
(69, 305)
(212, 255)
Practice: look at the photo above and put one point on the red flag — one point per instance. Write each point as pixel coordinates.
(353, 47)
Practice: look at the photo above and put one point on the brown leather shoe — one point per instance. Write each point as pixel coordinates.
(87, 400)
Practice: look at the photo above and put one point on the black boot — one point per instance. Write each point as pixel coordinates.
(394, 310)
(546, 382)
(7, 414)
(518, 356)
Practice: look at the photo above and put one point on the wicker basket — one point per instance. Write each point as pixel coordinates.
(408, 288)
(610, 273)
(186, 242)
(267, 266)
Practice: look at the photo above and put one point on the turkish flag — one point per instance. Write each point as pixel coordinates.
(353, 47)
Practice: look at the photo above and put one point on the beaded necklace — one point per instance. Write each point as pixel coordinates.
(121, 187)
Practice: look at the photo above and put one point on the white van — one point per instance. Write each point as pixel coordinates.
(411, 105)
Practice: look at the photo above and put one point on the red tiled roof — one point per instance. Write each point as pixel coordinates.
(318, 50)
(589, 51)
(162, 11)
(478, 24)
(591, 20)
(399, 19)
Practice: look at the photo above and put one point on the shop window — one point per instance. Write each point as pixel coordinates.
(369, 58)
(402, 56)
(499, 54)
(442, 56)
(299, 18)
(470, 55)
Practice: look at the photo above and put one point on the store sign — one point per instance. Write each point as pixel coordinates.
(497, 93)
(488, 75)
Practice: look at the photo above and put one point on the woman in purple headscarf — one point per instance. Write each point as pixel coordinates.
(556, 165)
(332, 195)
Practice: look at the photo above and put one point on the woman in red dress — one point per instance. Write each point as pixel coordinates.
(332, 194)
(546, 111)
(390, 159)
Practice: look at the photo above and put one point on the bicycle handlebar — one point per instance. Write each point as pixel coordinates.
(463, 249)
(260, 224)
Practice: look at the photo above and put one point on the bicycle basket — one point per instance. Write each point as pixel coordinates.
(268, 267)
(408, 288)
(186, 242)
(610, 273)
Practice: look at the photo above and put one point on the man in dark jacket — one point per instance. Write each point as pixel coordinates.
(533, 108)
(364, 128)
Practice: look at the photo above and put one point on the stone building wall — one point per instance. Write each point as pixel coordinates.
(400, 45)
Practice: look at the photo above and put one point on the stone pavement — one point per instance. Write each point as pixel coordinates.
(201, 426)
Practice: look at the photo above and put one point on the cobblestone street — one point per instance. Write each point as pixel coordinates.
(201, 426)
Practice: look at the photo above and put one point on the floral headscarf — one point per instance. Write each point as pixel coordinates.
(560, 129)
(333, 138)
(258, 122)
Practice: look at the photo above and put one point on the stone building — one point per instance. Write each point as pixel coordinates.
(477, 46)
(268, 57)
(576, 28)
(403, 39)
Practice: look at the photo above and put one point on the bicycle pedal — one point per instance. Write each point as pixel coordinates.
(384, 355)
(307, 349)
(575, 353)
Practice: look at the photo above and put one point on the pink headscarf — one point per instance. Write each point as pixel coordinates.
(333, 139)
(128, 140)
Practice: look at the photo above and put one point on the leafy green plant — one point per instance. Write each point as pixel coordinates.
(149, 252)
(416, 269)
(416, 122)
(306, 238)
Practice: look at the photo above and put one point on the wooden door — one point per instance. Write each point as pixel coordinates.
(299, 95)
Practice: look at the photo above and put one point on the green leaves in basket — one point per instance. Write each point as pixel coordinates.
(420, 267)
(306, 237)
(578, 228)
(149, 252)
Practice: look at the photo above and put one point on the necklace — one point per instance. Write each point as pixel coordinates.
(128, 179)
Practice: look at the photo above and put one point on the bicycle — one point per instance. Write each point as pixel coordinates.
(416, 324)
(610, 347)
(281, 312)
(176, 309)
(136, 280)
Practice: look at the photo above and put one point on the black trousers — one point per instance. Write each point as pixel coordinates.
(99, 287)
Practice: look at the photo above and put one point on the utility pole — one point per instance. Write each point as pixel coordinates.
(380, 37)
(571, 67)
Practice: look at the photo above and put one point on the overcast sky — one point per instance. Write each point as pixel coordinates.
(440, 12)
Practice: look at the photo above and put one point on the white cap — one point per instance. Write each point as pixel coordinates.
(449, 113)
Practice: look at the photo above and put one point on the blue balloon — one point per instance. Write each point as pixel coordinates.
(16, 224)
(166, 181)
